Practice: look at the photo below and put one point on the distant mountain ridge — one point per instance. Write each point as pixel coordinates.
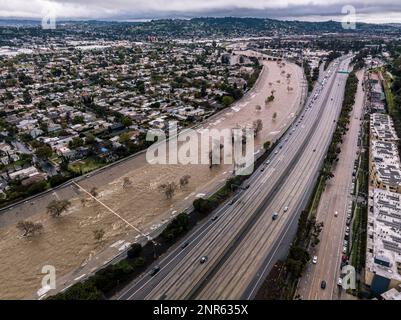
(199, 27)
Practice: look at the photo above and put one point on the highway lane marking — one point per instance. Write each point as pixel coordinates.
(339, 248)
(80, 277)
(256, 177)
(323, 262)
(207, 229)
(315, 270)
(277, 247)
(321, 156)
(170, 262)
(267, 265)
(117, 243)
(253, 179)
(209, 241)
(347, 195)
(177, 251)
(280, 204)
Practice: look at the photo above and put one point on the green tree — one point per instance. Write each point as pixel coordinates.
(90, 138)
(176, 227)
(204, 206)
(125, 138)
(76, 142)
(227, 100)
(134, 251)
(140, 86)
(78, 120)
(267, 145)
(44, 152)
(26, 97)
(295, 267)
(126, 122)
(203, 92)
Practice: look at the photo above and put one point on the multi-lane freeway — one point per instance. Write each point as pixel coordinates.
(332, 211)
(228, 256)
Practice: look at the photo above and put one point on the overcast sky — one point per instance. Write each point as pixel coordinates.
(376, 11)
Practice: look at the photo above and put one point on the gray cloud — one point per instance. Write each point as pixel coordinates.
(367, 10)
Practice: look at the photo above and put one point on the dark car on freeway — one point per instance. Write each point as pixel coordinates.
(154, 271)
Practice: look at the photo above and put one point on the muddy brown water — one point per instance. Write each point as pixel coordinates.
(68, 242)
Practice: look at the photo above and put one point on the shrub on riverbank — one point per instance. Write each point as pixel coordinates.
(176, 227)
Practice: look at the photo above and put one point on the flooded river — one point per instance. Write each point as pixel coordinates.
(68, 242)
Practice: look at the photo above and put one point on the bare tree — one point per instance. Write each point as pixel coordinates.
(83, 202)
(94, 192)
(274, 116)
(270, 98)
(216, 148)
(168, 189)
(98, 234)
(56, 207)
(127, 183)
(29, 228)
(184, 180)
(257, 126)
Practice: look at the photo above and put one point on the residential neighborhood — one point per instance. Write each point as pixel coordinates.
(70, 111)
(217, 151)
